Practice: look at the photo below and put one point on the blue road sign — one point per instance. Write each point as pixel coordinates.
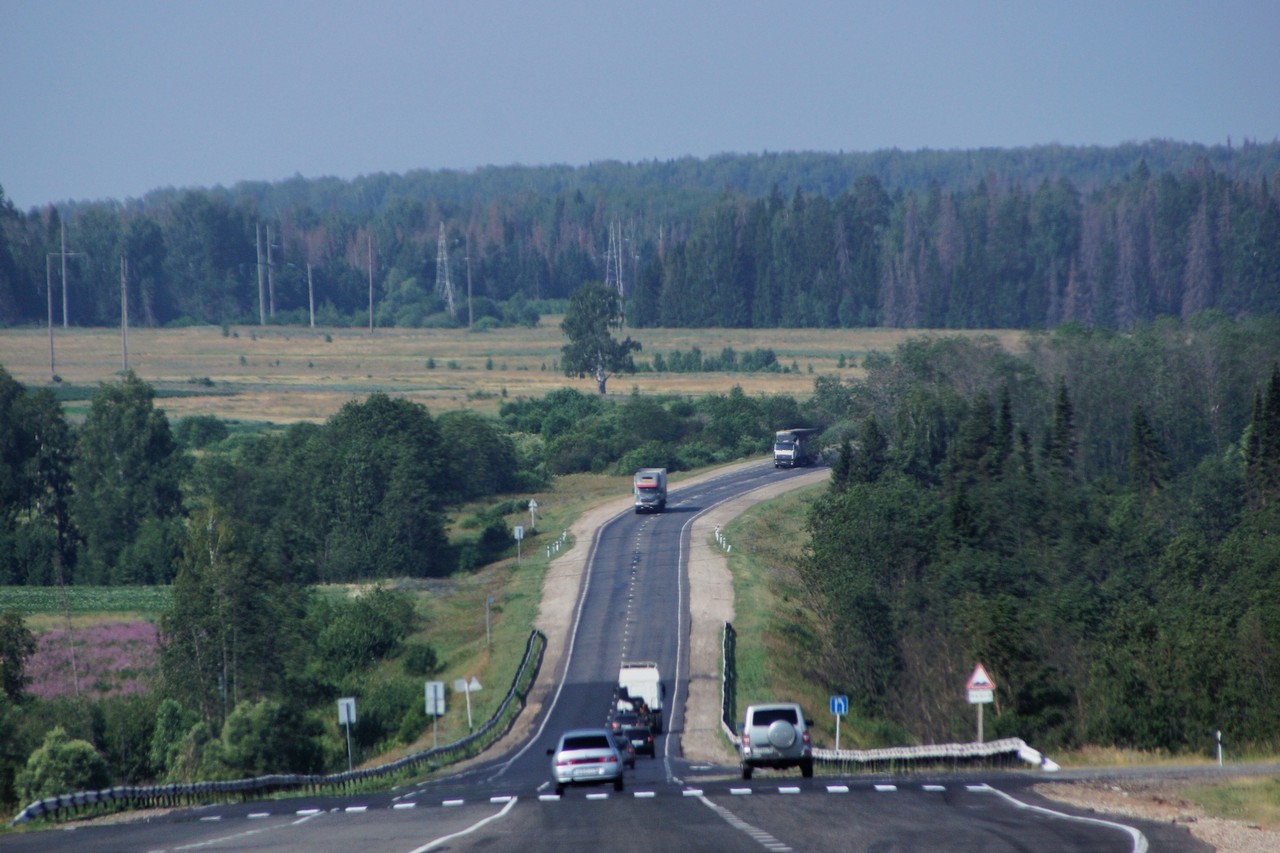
(839, 705)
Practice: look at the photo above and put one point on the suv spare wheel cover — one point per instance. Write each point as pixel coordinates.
(782, 734)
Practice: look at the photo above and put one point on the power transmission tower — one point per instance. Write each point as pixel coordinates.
(444, 283)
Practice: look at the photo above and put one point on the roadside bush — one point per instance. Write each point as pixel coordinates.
(59, 766)
(270, 737)
(381, 711)
(651, 454)
(420, 659)
(360, 633)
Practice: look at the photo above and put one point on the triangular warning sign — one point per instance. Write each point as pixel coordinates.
(980, 680)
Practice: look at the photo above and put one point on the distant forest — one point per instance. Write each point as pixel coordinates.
(993, 238)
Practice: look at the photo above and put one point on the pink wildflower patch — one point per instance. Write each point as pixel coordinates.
(105, 660)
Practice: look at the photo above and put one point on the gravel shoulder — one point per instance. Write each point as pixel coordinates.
(1161, 800)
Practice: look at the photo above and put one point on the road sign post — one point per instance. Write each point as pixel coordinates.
(461, 685)
(839, 707)
(981, 690)
(347, 716)
(533, 514)
(435, 707)
(519, 539)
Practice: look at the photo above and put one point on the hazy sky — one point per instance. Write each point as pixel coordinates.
(113, 99)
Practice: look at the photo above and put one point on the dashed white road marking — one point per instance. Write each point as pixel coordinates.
(765, 840)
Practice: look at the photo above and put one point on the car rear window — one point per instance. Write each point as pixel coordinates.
(765, 716)
(586, 742)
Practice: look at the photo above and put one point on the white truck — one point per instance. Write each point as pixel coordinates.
(641, 691)
(795, 447)
(650, 488)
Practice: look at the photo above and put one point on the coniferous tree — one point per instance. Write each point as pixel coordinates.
(1148, 461)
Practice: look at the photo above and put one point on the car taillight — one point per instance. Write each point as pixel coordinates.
(746, 739)
(806, 736)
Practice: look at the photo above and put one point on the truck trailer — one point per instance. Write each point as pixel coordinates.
(650, 488)
(795, 447)
(640, 691)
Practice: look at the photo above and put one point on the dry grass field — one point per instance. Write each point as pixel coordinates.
(282, 375)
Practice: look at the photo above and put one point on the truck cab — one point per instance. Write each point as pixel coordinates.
(650, 489)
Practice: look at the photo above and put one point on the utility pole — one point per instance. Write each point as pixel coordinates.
(470, 318)
(65, 254)
(271, 279)
(262, 295)
(48, 286)
(65, 320)
(371, 281)
(311, 296)
(124, 313)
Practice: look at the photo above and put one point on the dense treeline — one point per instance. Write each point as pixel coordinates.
(1091, 521)
(1024, 238)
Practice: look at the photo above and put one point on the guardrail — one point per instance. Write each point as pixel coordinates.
(1004, 752)
(152, 796)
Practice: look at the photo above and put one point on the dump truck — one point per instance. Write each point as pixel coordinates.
(650, 489)
(795, 447)
(641, 691)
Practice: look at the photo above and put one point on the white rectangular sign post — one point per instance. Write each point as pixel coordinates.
(982, 690)
(519, 539)
(461, 685)
(347, 716)
(839, 707)
(435, 707)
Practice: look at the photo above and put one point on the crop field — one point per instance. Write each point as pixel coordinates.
(281, 375)
(41, 602)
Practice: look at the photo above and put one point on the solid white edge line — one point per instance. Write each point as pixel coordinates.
(1139, 840)
(572, 642)
(430, 845)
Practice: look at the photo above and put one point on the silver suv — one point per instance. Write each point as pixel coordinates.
(775, 736)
